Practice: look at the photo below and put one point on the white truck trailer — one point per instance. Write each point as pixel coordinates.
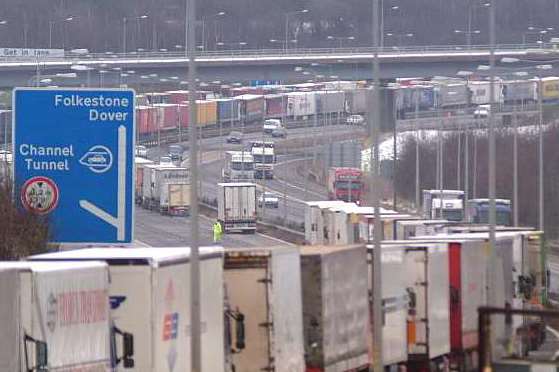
(139, 164)
(335, 308)
(236, 206)
(314, 220)
(55, 317)
(166, 189)
(427, 284)
(264, 285)
(395, 303)
(150, 297)
(447, 205)
(407, 229)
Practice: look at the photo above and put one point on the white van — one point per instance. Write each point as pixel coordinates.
(271, 124)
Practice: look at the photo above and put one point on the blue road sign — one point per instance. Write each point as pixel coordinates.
(257, 83)
(74, 161)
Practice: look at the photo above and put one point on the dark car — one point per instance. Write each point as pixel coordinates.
(279, 132)
(234, 137)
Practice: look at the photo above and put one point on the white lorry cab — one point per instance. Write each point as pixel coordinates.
(263, 153)
(444, 204)
(239, 165)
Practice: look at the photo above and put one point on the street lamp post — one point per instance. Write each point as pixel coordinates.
(341, 39)
(373, 131)
(138, 29)
(287, 23)
(283, 42)
(540, 156)
(124, 20)
(469, 32)
(492, 153)
(468, 36)
(400, 37)
(538, 31)
(540, 137)
(204, 19)
(417, 177)
(241, 44)
(51, 27)
(393, 7)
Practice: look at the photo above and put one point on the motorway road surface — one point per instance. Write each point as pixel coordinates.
(156, 230)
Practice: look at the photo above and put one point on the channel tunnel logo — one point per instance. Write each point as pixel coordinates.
(39, 195)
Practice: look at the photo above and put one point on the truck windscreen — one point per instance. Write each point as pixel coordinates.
(344, 185)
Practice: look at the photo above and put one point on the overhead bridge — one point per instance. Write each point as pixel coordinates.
(272, 64)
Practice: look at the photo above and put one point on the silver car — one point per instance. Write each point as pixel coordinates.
(269, 200)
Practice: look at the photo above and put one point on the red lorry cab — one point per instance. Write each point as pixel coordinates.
(345, 184)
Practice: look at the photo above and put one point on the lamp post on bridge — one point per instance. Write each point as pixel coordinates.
(468, 36)
(400, 37)
(204, 19)
(51, 27)
(303, 11)
(240, 44)
(283, 42)
(472, 7)
(341, 39)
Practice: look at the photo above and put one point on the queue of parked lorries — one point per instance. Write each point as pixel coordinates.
(162, 112)
(436, 273)
(280, 308)
(234, 107)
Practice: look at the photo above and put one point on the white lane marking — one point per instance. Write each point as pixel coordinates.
(268, 188)
(276, 239)
(553, 331)
(298, 188)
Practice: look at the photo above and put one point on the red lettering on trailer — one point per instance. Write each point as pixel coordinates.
(82, 307)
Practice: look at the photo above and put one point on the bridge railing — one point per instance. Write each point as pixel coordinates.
(326, 51)
(294, 52)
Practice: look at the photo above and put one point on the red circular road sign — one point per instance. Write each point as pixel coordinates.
(39, 195)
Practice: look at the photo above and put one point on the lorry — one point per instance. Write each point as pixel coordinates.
(239, 165)
(150, 296)
(409, 228)
(426, 283)
(395, 303)
(140, 163)
(447, 205)
(314, 220)
(335, 308)
(166, 189)
(515, 278)
(264, 285)
(236, 206)
(467, 268)
(345, 184)
(477, 211)
(55, 317)
(263, 154)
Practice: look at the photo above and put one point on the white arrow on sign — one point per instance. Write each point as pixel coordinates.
(120, 220)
